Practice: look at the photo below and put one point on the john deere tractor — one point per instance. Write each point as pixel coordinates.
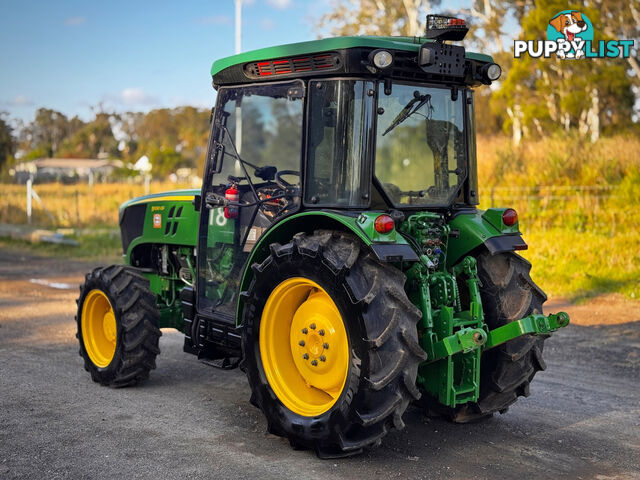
(335, 252)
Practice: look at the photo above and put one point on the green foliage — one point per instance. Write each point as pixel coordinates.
(176, 135)
(165, 161)
(7, 141)
(90, 140)
(171, 138)
(48, 130)
(100, 247)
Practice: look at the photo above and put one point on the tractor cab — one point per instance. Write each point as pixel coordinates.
(348, 124)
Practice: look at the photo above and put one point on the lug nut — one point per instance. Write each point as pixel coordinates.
(312, 326)
(305, 356)
(323, 358)
(321, 332)
(305, 331)
(325, 345)
(301, 343)
(314, 363)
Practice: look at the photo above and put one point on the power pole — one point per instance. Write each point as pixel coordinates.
(238, 5)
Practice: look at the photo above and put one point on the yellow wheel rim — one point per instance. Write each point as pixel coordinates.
(304, 346)
(99, 330)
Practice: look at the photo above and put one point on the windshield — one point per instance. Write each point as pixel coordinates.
(420, 150)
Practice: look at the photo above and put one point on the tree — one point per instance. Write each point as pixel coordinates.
(621, 20)
(543, 95)
(377, 17)
(487, 24)
(91, 140)
(7, 140)
(47, 131)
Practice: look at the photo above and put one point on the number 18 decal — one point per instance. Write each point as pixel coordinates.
(220, 219)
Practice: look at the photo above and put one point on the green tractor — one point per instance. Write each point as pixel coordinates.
(335, 252)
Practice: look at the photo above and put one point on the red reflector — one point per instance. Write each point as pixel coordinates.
(457, 21)
(383, 224)
(509, 217)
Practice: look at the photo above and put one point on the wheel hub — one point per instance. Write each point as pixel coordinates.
(99, 330)
(109, 326)
(310, 374)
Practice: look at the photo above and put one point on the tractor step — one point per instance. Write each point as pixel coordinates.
(226, 363)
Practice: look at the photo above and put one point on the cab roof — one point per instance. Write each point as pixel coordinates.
(407, 44)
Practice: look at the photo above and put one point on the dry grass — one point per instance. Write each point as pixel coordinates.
(559, 160)
(77, 206)
(582, 242)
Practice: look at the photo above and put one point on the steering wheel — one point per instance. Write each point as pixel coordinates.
(283, 183)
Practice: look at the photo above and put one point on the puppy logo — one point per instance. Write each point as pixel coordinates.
(570, 35)
(571, 27)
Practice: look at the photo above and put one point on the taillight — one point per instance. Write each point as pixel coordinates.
(383, 224)
(509, 217)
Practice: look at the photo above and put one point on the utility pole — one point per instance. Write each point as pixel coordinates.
(238, 5)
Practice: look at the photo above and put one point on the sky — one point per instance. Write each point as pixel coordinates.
(134, 55)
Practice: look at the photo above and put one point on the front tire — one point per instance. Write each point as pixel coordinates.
(328, 280)
(117, 326)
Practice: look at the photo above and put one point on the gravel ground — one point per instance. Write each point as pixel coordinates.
(189, 420)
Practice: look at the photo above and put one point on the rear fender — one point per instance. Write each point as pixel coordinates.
(470, 229)
(390, 247)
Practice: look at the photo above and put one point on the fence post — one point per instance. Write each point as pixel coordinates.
(77, 209)
(29, 199)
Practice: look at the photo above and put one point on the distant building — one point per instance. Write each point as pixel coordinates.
(66, 170)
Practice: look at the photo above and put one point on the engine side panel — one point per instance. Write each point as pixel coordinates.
(165, 218)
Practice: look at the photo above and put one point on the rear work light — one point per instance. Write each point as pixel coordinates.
(381, 58)
(510, 217)
(383, 224)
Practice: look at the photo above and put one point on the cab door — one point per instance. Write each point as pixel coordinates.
(254, 159)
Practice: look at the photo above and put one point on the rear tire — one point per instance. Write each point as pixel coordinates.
(117, 326)
(382, 354)
(508, 294)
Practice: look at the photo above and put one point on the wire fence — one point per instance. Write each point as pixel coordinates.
(71, 206)
(550, 192)
(578, 207)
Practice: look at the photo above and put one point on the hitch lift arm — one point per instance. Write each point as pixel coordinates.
(466, 340)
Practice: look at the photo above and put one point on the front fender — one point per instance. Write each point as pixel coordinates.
(470, 229)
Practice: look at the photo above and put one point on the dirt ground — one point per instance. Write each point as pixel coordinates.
(582, 420)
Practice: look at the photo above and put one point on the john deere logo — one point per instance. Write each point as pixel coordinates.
(570, 36)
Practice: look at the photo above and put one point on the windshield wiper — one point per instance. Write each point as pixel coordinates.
(415, 104)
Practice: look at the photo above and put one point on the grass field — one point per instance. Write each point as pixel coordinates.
(579, 210)
(578, 204)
